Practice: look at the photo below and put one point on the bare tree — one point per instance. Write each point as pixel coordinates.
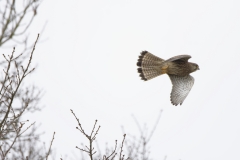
(11, 128)
(19, 138)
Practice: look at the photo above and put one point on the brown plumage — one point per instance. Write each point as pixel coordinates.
(178, 69)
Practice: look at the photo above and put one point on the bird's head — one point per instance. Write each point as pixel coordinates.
(194, 67)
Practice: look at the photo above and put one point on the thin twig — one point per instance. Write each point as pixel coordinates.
(50, 146)
(113, 154)
(120, 158)
(27, 128)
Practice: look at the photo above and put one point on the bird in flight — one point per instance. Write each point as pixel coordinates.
(177, 68)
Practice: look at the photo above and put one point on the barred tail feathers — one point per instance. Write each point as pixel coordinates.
(150, 66)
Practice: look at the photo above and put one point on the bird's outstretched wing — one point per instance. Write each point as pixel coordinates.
(183, 58)
(181, 87)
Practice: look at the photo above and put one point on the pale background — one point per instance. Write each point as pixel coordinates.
(87, 62)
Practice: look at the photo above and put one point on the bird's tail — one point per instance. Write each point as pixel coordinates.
(150, 66)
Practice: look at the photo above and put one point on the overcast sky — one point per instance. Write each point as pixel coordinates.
(88, 63)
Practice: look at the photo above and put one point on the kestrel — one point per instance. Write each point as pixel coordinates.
(177, 68)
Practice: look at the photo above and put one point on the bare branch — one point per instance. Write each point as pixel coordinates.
(50, 146)
(122, 157)
(91, 137)
(14, 22)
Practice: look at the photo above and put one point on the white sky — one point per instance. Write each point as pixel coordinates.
(88, 64)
